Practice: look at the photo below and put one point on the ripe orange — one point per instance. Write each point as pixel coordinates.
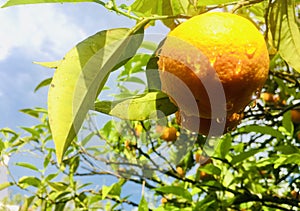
(295, 116)
(203, 160)
(221, 58)
(138, 130)
(169, 134)
(180, 171)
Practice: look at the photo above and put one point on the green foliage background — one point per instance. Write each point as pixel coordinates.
(254, 167)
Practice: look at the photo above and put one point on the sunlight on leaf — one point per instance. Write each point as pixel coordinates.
(80, 77)
(150, 105)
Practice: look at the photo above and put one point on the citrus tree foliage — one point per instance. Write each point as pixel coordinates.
(254, 167)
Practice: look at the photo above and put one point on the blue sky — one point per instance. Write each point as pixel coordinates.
(43, 32)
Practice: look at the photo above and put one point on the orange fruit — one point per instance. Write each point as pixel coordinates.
(138, 130)
(295, 116)
(203, 160)
(169, 134)
(267, 97)
(180, 171)
(213, 64)
(212, 127)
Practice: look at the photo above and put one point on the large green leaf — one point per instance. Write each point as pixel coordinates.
(20, 2)
(285, 32)
(141, 107)
(80, 77)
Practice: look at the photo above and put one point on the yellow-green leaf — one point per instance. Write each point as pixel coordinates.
(53, 64)
(79, 78)
(150, 105)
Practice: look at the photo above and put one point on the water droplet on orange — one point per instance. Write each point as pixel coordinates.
(220, 120)
(229, 106)
(212, 61)
(238, 67)
(250, 51)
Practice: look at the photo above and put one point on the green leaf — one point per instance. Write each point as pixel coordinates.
(58, 186)
(214, 2)
(115, 189)
(210, 169)
(267, 130)
(153, 79)
(287, 122)
(25, 206)
(143, 205)
(160, 7)
(223, 146)
(289, 159)
(43, 83)
(285, 31)
(80, 77)
(5, 185)
(20, 2)
(141, 107)
(26, 181)
(146, 8)
(244, 155)
(27, 165)
(176, 190)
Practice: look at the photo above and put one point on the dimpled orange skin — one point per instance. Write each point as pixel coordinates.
(214, 48)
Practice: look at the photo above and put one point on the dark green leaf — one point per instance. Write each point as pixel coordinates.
(267, 130)
(244, 155)
(287, 122)
(178, 191)
(141, 107)
(152, 74)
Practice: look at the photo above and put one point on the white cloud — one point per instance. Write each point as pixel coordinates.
(40, 30)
